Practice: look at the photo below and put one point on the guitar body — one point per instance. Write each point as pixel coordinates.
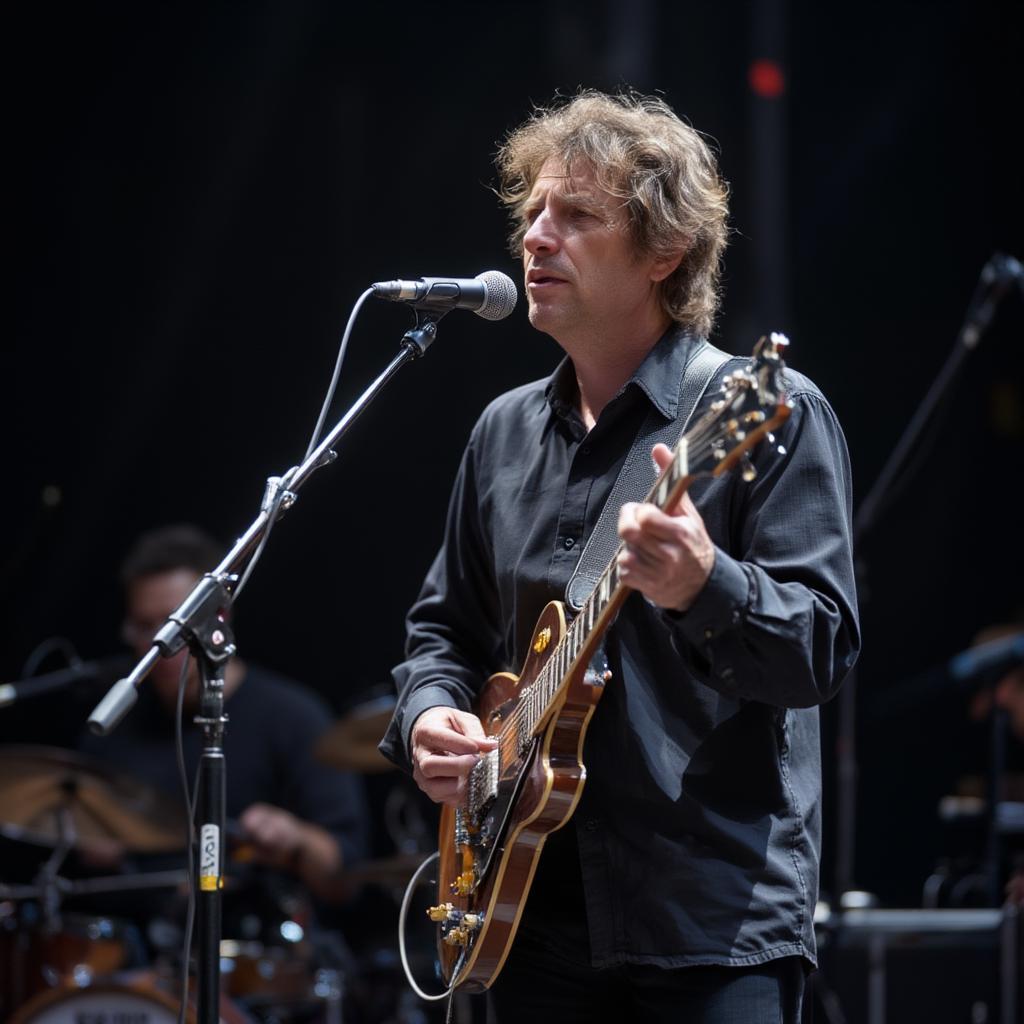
(537, 794)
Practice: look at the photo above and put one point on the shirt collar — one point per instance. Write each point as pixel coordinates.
(658, 376)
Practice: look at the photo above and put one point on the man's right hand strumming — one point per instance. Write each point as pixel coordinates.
(445, 744)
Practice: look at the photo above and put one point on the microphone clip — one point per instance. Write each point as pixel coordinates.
(419, 338)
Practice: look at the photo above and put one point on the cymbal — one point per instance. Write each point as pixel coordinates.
(44, 789)
(351, 743)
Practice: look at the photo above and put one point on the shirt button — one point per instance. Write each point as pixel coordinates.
(709, 634)
(568, 543)
(591, 825)
(585, 449)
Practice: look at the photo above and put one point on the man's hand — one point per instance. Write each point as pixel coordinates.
(668, 555)
(445, 745)
(281, 840)
(276, 835)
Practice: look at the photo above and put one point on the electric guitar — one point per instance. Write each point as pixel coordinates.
(530, 784)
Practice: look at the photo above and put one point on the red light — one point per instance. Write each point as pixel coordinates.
(766, 79)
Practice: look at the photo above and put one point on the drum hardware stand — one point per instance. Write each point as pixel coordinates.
(47, 882)
(329, 981)
(200, 622)
(48, 886)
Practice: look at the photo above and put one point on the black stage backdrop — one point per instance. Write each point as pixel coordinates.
(200, 193)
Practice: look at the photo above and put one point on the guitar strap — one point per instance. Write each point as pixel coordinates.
(635, 477)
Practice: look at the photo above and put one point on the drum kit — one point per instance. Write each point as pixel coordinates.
(84, 939)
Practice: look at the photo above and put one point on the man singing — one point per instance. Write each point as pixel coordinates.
(683, 887)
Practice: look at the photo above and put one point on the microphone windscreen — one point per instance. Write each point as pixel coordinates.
(500, 295)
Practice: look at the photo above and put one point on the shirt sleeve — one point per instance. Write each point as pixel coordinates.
(777, 620)
(451, 636)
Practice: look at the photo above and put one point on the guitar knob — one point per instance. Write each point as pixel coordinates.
(441, 912)
(747, 469)
(463, 885)
(457, 937)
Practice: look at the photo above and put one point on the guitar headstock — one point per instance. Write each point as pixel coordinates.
(751, 404)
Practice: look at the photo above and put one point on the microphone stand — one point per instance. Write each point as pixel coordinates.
(996, 277)
(200, 623)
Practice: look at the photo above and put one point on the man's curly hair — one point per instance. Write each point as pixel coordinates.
(662, 170)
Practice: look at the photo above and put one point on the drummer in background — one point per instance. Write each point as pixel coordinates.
(290, 812)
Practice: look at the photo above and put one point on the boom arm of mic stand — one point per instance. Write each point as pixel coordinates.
(121, 697)
(995, 279)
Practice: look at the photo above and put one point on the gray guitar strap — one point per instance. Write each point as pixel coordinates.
(637, 475)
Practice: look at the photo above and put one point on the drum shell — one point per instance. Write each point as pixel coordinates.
(258, 973)
(34, 959)
(139, 996)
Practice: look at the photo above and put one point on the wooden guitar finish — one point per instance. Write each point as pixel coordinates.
(530, 785)
(548, 790)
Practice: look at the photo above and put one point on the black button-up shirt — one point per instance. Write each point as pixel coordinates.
(697, 837)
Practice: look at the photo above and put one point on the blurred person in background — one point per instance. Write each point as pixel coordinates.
(291, 812)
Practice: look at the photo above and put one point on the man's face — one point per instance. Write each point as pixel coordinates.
(150, 599)
(582, 274)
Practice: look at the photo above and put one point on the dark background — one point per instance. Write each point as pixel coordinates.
(200, 194)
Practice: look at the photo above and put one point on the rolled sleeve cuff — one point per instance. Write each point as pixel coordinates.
(720, 606)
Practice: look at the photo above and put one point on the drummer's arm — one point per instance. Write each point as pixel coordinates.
(285, 841)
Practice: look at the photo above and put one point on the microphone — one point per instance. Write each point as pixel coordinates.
(969, 670)
(491, 294)
(998, 274)
(83, 672)
(994, 657)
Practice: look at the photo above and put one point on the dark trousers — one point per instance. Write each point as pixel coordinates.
(539, 984)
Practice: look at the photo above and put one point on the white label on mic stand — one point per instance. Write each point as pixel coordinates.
(209, 858)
